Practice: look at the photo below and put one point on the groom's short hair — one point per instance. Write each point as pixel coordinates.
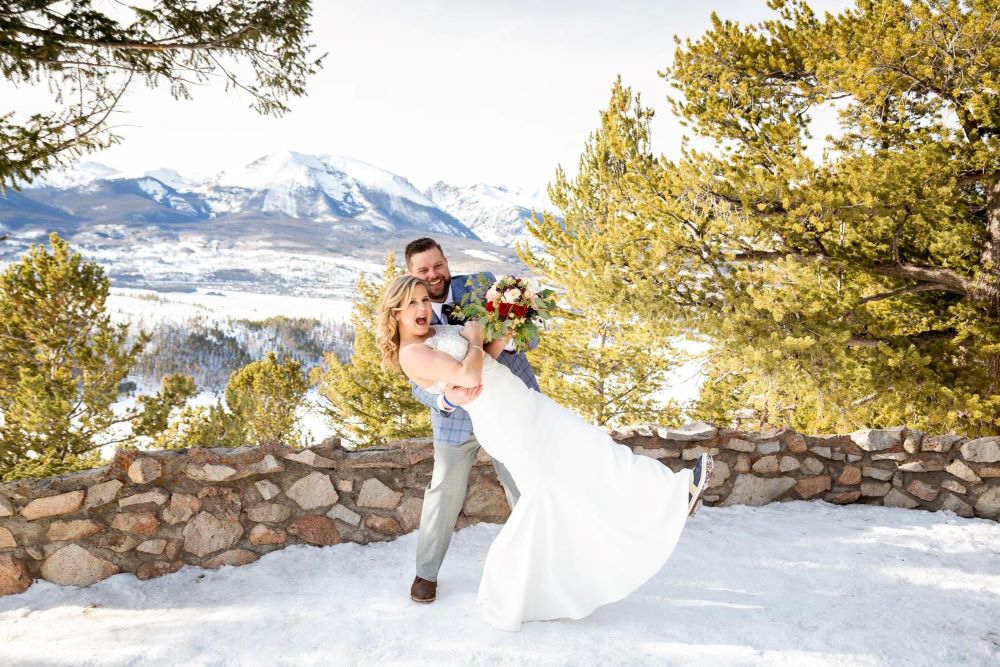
(420, 245)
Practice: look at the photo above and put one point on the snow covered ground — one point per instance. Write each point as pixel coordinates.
(788, 584)
(144, 309)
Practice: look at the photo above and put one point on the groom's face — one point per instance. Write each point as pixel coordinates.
(432, 267)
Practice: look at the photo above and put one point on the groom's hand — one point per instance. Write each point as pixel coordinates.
(462, 395)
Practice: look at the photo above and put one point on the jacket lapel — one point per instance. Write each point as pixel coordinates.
(458, 289)
(457, 292)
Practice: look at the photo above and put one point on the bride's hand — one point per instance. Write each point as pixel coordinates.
(472, 331)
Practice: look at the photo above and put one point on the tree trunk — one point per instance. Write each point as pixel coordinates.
(988, 279)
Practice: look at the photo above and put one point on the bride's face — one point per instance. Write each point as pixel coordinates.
(414, 314)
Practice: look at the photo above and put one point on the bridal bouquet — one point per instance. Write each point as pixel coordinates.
(508, 307)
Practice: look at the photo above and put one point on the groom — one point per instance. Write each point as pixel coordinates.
(455, 445)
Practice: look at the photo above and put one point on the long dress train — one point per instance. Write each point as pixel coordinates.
(594, 520)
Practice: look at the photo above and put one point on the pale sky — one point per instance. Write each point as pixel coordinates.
(464, 91)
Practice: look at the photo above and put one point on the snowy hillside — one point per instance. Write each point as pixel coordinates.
(495, 213)
(798, 583)
(76, 176)
(173, 179)
(85, 173)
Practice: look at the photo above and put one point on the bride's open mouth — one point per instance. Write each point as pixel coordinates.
(421, 321)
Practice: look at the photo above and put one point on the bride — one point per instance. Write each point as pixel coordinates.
(594, 520)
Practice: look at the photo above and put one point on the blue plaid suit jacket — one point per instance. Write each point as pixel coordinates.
(454, 428)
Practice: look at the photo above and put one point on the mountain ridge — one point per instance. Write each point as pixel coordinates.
(287, 184)
(284, 223)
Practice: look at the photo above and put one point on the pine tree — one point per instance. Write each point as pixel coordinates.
(90, 59)
(607, 371)
(264, 396)
(260, 405)
(857, 288)
(62, 362)
(175, 390)
(201, 426)
(601, 356)
(866, 285)
(365, 403)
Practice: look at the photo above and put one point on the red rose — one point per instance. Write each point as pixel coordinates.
(504, 310)
(519, 310)
(489, 306)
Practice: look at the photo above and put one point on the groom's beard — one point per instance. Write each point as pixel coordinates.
(441, 292)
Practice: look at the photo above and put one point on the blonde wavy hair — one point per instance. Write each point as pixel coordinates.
(395, 295)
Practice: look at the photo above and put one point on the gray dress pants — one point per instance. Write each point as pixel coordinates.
(444, 498)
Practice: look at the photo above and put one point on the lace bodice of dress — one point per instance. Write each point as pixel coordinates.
(447, 339)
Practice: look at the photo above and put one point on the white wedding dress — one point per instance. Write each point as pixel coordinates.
(594, 520)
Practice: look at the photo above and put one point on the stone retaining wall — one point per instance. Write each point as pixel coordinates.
(151, 513)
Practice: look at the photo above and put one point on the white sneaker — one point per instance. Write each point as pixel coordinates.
(701, 475)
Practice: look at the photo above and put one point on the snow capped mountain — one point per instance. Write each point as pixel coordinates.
(120, 199)
(327, 188)
(94, 189)
(172, 178)
(495, 213)
(85, 173)
(315, 188)
(167, 196)
(286, 223)
(296, 185)
(78, 175)
(343, 191)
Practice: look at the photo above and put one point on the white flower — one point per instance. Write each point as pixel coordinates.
(491, 293)
(512, 295)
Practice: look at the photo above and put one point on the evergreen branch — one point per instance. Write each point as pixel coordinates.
(865, 399)
(929, 336)
(911, 289)
(946, 279)
(237, 84)
(635, 386)
(87, 435)
(354, 402)
(58, 64)
(975, 177)
(222, 42)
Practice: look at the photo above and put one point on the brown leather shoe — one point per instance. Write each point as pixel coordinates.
(423, 591)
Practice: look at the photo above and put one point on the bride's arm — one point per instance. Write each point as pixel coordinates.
(420, 361)
(495, 347)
